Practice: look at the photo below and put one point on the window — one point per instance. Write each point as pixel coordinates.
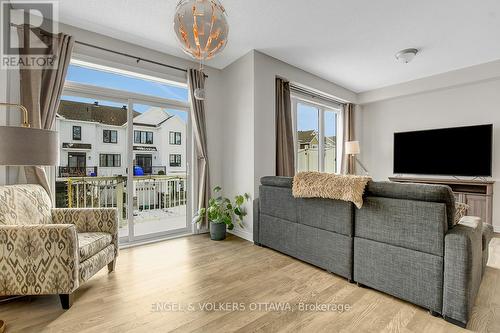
(110, 160)
(109, 136)
(175, 160)
(143, 137)
(316, 136)
(77, 133)
(175, 138)
(91, 74)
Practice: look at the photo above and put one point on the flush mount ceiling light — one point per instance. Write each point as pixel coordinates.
(406, 55)
(201, 28)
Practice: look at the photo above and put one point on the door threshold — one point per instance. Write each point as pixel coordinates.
(153, 240)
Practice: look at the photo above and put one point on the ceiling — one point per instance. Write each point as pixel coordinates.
(351, 43)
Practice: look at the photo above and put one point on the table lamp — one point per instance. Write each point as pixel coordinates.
(26, 146)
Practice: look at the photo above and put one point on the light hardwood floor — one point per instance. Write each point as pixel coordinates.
(194, 270)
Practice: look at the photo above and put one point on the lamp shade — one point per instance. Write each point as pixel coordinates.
(28, 146)
(352, 148)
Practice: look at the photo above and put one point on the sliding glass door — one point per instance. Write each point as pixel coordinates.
(160, 157)
(130, 151)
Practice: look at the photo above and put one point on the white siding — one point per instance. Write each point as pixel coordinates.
(92, 133)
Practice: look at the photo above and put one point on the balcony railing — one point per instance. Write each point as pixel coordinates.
(158, 192)
(77, 172)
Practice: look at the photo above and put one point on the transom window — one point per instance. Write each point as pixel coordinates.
(109, 136)
(316, 139)
(175, 160)
(110, 160)
(175, 138)
(77, 133)
(144, 137)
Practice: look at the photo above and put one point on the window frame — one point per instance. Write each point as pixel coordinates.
(115, 158)
(144, 135)
(175, 163)
(74, 138)
(322, 108)
(110, 136)
(173, 136)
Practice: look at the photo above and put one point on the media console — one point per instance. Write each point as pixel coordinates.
(477, 194)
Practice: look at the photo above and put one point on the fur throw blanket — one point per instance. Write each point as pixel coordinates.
(330, 186)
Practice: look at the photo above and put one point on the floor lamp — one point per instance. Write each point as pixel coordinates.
(352, 149)
(26, 146)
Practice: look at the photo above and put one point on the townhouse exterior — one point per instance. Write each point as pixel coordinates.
(93, 140)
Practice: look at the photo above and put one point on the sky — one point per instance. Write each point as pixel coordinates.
(308, 119)
(126, 83)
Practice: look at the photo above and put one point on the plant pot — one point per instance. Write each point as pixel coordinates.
(217, 231)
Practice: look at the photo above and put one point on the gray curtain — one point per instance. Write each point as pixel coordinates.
(196, 79)
(348, 162)
(41, 88)
(285, 150)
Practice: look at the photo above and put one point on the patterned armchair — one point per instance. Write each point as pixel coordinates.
(51, 251)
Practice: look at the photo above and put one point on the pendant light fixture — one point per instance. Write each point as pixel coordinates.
(202, 30)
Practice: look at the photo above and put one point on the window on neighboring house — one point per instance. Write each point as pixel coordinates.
(143, 137)
(77, 133)
(175, 160)
(316, 136)
(175, 138)
(110, 160)
(109, 136)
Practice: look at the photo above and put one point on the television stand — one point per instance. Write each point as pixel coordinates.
(478, 194)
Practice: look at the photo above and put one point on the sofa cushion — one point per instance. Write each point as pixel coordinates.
(327, 214)
(416, 192)
(24, 204)
(278, 202)
(415, 225)
(90, 243)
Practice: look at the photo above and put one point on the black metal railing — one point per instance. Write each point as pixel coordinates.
(77, 171)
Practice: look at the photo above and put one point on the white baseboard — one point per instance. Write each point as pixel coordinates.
(496, 228)
(247, 235)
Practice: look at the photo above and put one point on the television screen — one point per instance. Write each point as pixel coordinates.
(459, 151)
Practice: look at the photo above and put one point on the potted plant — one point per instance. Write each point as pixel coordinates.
(221, 213)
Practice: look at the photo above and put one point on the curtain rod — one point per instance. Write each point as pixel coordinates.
(316, 95)
(138, 59)
(134, 57)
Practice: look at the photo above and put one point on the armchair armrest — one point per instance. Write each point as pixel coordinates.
(89, 220)
(462, 270)
(38, 259)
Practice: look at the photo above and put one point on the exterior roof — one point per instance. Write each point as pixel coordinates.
(103, 114)
(306, 136)
(310, 137)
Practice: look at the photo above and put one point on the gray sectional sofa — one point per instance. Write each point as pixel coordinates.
(401, 242)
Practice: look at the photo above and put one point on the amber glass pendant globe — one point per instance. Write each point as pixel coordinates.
(201, 28)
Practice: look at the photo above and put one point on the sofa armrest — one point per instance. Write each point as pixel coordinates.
(90, 220)
(38, 259)
(462, 270)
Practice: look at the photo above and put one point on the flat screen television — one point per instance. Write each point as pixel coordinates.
(458, 151)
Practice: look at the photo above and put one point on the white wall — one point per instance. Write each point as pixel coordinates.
(467, 104)
(238, 134)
